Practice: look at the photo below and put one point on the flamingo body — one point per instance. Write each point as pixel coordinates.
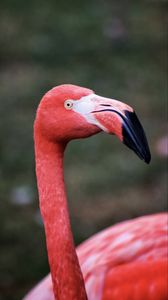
(127, 261)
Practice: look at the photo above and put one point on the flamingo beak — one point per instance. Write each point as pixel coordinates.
(120, 119)
(115, 117)
(131, 132)
(134, 136)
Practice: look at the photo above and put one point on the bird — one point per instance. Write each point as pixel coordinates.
(127, 261)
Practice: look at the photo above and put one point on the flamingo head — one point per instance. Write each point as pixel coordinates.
(69, 112)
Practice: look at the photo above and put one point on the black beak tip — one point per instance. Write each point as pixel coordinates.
(147, 159)
(134, 136)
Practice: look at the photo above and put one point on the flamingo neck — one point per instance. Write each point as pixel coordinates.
(65, 270)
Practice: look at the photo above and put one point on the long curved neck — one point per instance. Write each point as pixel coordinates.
(65, 270)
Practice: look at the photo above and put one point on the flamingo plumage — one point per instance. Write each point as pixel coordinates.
(127, 261)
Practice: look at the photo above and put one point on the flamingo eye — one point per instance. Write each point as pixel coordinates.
(68, 104)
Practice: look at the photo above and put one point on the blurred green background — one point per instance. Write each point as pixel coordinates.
(116, 48)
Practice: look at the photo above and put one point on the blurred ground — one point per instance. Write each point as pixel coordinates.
(119, 50)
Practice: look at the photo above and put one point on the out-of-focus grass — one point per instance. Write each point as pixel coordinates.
(116, 48)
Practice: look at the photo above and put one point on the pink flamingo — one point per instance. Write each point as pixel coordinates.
(126, 261)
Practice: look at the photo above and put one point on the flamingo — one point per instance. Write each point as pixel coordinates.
(124, 262)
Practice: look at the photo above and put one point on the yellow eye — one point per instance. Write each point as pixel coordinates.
(68, 104)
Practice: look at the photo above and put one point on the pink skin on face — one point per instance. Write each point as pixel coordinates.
(105, 113)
